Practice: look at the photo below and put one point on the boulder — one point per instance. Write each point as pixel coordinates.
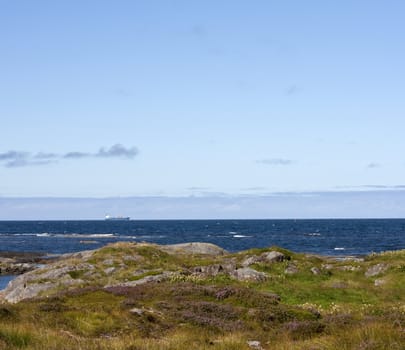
(83, 255)
(213, 270)
(137, 311)
(272, 257)
(327, 266)
(248, 274)
(31, 284)
(133, 258)
(193, 248)
(379, 282)
(376, 270)
(108, 262)
(109, 270)
(254, 344)
(210, 270)
(57, 272)
(11, 268)
(291, 270)
(19, 289)
(315, 271)
(250, 260)
(147, 279)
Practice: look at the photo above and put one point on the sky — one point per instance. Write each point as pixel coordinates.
(200, 103)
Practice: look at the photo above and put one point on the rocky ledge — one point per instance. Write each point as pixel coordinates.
(16, 263)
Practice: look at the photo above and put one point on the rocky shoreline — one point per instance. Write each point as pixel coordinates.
(17, 263)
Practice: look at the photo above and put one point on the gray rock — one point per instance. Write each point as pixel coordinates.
(134, 258)
(83, 255)
(193, 248)
(31, 284)
(108, 262)
(18, 290)
(213, 270)
(53, 272)
(147, 279)
(109, 270)
(250, 261)
(376, 270)
(248, 274)
(137, 311)
(139, 272)
(291, 270)
(210, 270)
(327, 266)
(12, 268)
(315, 271)
(254, 344)
(272, 257)
(379, 282)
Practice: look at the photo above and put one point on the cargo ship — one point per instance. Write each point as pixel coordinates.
(116, 218)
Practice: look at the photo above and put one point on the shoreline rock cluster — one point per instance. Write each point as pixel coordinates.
(17, 263)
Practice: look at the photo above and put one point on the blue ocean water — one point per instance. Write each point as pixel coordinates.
(4, 281)
(326, 237)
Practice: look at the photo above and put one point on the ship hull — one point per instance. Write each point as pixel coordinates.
(113, 218)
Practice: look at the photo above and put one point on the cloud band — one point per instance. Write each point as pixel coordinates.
(15, 159)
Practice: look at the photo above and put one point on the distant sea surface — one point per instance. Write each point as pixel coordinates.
(326, 237)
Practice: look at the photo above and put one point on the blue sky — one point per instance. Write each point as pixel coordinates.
(202, 99)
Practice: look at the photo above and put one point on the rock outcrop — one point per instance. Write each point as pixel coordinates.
(376, 270)
(249, 274)
(194, 248)
(16, 263)
(272, 257)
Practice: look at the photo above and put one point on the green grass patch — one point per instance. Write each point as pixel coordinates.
(75, 274)
(15, 338)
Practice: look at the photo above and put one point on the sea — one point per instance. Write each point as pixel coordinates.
(333, 237)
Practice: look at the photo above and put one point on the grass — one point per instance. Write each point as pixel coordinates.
(339, 308)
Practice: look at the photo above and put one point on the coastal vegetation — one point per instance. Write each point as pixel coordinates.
(197, 296)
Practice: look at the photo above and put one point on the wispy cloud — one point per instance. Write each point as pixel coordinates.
(373, 165)
(15, 159)
(13, 155)
(372, 187)
(255, 188)
(18, 163)
(76, 155)
(275, 161)
(197, 188)
(292, 90)
(117, 150)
